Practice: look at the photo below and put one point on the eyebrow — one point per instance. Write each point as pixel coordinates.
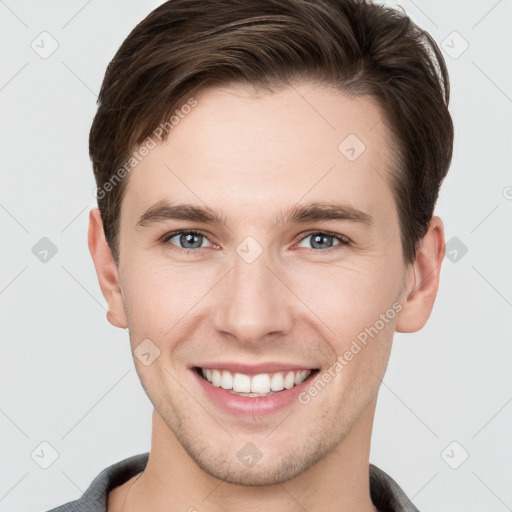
(298, 214)
(164, 210)
(311, 212)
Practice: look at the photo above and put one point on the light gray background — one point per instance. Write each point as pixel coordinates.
(67, 376)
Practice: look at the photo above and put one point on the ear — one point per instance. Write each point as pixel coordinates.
(423, 280)
(106, 270)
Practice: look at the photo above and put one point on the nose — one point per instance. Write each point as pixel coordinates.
(254, 302)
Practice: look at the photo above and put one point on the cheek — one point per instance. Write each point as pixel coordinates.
(158, 294)
(348, 298)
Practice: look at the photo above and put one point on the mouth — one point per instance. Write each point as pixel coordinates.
(251, 391)
(261, 384)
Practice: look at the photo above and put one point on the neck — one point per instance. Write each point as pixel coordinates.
(172, 481)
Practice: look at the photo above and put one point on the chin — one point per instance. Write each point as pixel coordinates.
(274, 465)
(259, 475)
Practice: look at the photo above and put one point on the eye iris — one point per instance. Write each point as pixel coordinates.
(319, 238)
(189, 237)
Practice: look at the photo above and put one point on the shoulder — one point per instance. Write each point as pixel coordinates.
(386, 494)
(95, 498)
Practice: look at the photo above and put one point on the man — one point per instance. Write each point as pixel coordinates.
(267, 173)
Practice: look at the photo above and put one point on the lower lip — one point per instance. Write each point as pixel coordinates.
(256, 405)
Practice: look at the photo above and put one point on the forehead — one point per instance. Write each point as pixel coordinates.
(250, 152)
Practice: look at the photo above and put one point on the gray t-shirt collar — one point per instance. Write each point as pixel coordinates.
(385, 493)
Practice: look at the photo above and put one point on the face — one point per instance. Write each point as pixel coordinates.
(249, 313)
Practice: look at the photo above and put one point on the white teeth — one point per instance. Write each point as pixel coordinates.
(227, 380)
(257, 385)
(260, 383)
(289, 380)
(301, 376)
(216, 378)
(277, 382)
(241, 383)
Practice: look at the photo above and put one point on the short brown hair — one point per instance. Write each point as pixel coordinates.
(356, 46)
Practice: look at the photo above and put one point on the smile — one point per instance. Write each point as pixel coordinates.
(261, 384)
(253, 390)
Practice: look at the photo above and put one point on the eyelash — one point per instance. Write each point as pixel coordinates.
(343, 240)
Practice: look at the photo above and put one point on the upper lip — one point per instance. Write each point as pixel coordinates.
(254, 369)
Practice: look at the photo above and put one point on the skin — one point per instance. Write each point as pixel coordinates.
(251, 155)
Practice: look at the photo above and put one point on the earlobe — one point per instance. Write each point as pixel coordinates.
(106, 270)
(423, 280)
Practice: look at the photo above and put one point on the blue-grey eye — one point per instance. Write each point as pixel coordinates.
(188, 240)
(322, 240)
